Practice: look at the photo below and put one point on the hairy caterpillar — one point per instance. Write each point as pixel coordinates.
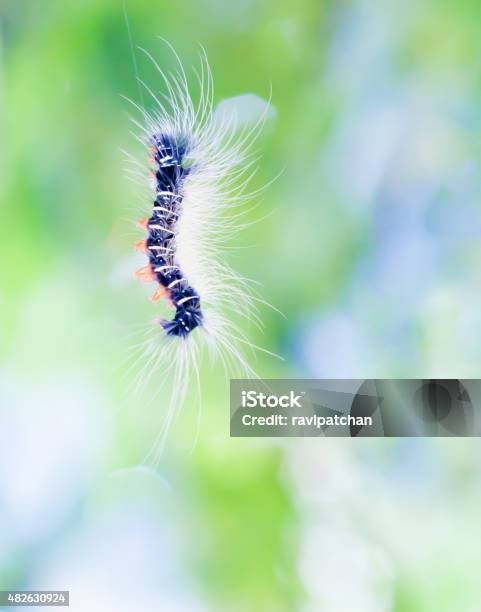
(201, 164)
(168, 154)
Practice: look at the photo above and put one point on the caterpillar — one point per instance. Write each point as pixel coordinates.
(200, 168)
(168, 154)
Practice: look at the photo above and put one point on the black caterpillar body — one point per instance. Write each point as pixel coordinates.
(169, 176)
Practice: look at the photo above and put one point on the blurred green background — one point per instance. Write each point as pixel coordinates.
(370, 247)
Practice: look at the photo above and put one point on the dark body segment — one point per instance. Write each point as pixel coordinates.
(168, 155)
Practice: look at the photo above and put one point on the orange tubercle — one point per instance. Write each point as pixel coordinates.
(142, 223)
(141, 246)
(145, 274)
(160, 292)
